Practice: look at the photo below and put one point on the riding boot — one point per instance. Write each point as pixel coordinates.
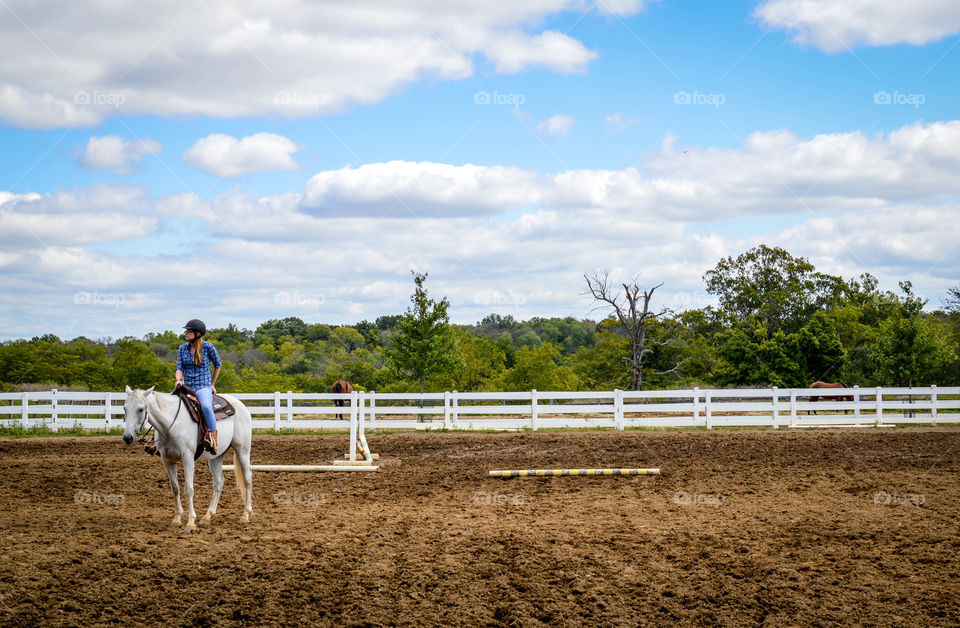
(212, 434)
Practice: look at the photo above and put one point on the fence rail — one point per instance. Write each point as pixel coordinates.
(708, 408)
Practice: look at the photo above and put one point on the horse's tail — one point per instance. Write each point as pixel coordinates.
(238, 474)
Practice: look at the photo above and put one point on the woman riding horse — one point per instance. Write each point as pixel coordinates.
(193, 368)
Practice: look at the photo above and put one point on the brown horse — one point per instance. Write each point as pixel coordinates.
(831, 397)
(341, 386)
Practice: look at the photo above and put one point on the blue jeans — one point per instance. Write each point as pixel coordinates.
(205, 397)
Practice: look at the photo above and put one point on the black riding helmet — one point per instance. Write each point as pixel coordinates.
(196, 325)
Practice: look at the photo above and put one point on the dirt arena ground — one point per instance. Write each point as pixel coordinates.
(743, 528)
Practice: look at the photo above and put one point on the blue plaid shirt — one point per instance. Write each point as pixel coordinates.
(197, 375)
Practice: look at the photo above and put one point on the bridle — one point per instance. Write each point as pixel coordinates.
(142, 438)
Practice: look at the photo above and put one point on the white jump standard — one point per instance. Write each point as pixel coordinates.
(351, 462)
(546, 473)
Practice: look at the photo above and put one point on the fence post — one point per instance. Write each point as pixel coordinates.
(53, 410)
(456, 409)
(793, 407)
(107, 402)
(776, 408)
(290, 408)
(276, 411)
(353, 426)
(696, 405)
(446, 409)
(933, 405)
(879, 406)
(618, 409)
(708, 411)
(373, 410)
(534, 418)
(856, 402)
(24, 415)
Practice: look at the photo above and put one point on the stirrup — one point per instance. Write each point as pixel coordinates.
(210, 442)
(151, 449)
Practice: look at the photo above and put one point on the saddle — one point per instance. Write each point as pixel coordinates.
(221, 407)
(221, 410)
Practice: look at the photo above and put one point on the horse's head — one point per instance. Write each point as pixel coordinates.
(134, 413)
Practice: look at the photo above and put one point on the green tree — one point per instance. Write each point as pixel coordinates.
(913, 346)
(347, 337)
(539, 368)
(782, 291)
(229, 336)
(317, 331)
(136, 366)
(483, 362)
(601, 366)
(747, 357)
(275, 329)
(953, 299)
(424, 343)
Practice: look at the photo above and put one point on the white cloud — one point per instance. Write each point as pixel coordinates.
(101, 213)
(514, 51)
(622, 7)
(619, 122)
(114, 152)
(556, 125)
(493, 238)
(412, 189)
(836, 26)
(251, 58)
(43, 110)
(226, 156)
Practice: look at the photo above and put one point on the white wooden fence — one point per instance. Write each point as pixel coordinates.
(770, 407)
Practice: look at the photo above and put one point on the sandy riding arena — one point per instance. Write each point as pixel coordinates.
(743, 528)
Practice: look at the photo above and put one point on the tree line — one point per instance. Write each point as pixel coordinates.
(778, 322)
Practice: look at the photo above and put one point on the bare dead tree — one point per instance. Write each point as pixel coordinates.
(632, 310)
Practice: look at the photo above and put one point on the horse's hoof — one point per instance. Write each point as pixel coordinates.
(176, 523)
(246, 517)
(206, 518)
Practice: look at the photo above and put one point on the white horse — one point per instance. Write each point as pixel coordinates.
(177, 440)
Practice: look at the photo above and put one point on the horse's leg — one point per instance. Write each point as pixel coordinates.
(188, 468)
(216, 471)
(243, 465)
(175, 487)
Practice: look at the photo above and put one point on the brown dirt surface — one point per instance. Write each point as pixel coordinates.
(744, 527)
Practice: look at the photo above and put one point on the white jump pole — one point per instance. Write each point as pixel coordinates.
(309, 468)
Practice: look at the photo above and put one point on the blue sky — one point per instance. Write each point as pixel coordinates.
(305, 162)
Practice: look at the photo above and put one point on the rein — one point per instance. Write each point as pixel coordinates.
(143, 438)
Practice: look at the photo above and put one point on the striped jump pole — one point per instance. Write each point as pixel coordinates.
(540, 473)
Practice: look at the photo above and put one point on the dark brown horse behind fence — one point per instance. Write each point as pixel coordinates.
(829, 397)
(340, 387)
